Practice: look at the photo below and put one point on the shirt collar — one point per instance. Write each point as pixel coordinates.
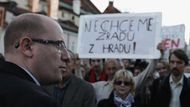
(179, 82)
(30, 74)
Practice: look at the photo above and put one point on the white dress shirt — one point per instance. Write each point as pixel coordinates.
(175, 92)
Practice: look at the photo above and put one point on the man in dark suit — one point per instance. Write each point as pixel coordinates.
(73, 91)
(35, 55)
(174, 89)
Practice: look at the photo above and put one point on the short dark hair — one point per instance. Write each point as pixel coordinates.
(179, 53)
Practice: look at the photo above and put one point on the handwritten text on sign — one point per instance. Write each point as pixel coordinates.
(174, 36)
(117, 35)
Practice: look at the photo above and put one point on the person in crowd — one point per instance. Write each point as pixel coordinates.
(127, 64)
(1, 57)
(86, 63)
(172, 90)
(83, 71)
(143, 75)
(76, 66)
(162, 68)
(123, 91)
(80, 67)
(35, 55)
(96, 72)
(139, 68)
(104, 88)
(142, 91)
(73, 91)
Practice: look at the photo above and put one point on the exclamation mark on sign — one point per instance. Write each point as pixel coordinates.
(134, 47)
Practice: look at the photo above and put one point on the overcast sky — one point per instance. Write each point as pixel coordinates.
(174, 12)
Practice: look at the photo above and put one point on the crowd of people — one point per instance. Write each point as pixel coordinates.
(37, 70)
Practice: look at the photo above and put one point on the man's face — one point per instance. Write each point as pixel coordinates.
(111, 67)
(96, 64)
(50, 63)
(126, 63)
(177, 66)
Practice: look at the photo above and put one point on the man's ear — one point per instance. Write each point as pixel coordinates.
(25, 46)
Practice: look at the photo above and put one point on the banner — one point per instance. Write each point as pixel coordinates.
(134, 35)
(173, 37)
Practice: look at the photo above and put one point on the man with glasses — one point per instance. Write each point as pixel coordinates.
(35, 55)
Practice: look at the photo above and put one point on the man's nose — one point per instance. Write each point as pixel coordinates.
(174, 64)
(65, 55)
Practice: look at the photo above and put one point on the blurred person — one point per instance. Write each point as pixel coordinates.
(172, 90)
(73, 91)
(162, 68)
(137, 70)
(123, 91)
(83, 71)
(96, 72)
(35, 55)
(84, 68)
(85, 62)
(104, 88)
(144, 81)
(77, 66)
(127, 64)
(139, 67)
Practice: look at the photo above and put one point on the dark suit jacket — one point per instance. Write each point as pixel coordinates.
(76, 93)
(17, 89)
(161, 93)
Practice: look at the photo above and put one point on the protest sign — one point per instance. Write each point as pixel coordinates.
(134, 35)
(173, 37)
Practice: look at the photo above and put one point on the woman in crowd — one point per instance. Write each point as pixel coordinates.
(162, 68)
(123, 91)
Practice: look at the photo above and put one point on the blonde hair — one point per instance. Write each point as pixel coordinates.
(125, 74)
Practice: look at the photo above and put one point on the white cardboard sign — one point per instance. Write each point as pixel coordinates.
(133, 35)
(173, 37)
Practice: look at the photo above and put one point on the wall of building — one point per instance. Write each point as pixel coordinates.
(71, 40)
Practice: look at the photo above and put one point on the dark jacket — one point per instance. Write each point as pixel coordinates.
(76, 93)
(17, 89)
(108, 102)
(161, 93)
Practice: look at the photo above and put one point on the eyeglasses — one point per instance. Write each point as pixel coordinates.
(59, 44)
(126, 83)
